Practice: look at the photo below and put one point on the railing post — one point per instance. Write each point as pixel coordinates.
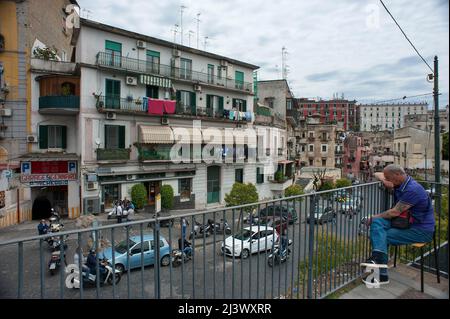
(313, 199)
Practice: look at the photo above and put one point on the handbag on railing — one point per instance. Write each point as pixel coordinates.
(402, 221)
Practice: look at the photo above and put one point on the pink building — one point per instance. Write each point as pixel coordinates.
(354, 158)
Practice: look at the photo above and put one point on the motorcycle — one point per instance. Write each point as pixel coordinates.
(219, 228)
(54, 219)
(108, 276)
(277, 256)
(200, 230)
(55, 261)
(183, 254)
(55, 240)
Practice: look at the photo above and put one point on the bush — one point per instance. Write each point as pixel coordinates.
(139, 195)
(293, 190)
(242, 194)
(326, 185)
(166, 197)
(343, 182)
(279, 177)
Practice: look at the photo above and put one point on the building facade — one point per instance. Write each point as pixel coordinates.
(426, 121)
(414, 148)
(388, 117)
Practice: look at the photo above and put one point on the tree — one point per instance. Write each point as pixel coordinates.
(293, 190)
(343, 182)
(445, 146)
(242, 194)
(45, 53)
(139, 195)
(166, 197)
(319, 177)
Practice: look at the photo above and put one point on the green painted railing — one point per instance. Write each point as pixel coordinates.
(104, 154)
(59, 101)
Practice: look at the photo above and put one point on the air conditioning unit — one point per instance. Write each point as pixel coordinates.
(110, 116)
(164, 121)
(176, 53)
(197, 87)
(131, 80)
(32, 139)
(140, 44)
(5, 112)
(224, 63)
(131, 177)
(91, 186)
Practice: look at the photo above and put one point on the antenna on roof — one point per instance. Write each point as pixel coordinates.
(175, 31)
(198, 26)
(181, 21)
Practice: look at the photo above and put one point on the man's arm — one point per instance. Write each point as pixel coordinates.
(386, 183)
(393, 212)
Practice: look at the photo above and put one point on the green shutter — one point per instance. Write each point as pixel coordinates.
(239, 76)
(109, 87)
(208, 100)
(244, 108)
(193, 103)
(43, 136)
(121, 136)
(234, 103)
(155, 54)
(64, 136)
(106, 137)
(220, 103)
(114, 46)
(178, 96)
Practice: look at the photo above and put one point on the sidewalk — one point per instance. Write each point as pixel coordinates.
(404, 284)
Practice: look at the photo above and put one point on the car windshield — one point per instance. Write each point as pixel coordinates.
(243, 235)
(122, 246)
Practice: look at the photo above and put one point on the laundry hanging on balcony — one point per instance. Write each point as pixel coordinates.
(169, 106)
(155, 106)
(156, 81)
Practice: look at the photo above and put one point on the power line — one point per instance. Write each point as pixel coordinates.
(403, 98)
(407, 37)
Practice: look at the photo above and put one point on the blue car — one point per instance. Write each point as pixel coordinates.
(134, 252)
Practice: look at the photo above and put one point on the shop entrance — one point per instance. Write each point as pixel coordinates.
(47, 198)
(153, 189)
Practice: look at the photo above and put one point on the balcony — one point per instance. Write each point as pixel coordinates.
(59, 105)
(153, 156)
(119, 154)
(50, 66)
(292, 116)
(123, 63)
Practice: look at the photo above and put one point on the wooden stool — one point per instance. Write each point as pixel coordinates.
(436, 259)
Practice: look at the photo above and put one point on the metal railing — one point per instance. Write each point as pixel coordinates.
(60, 102)
(327, 246)
(141, 66)
(106, 154)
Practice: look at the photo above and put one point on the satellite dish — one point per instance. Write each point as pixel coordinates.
(97, 141)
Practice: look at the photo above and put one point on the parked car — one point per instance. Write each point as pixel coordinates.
(250, 240)
(266, 214)
(350, 206)
(135, 247)
(323, 215)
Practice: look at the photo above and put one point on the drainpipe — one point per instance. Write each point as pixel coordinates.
(18, 206)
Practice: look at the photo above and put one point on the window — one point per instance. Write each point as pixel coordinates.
(111, 192)
(311, 162)
(187, 101)
(210, 73)
(185, 189)
(52, 136)
(311, 148)
(240, 105)
(112, 95)
(239, 175)
(239, 80)
(152, 244)
(259, 175)
(186, 69)
(288, 104)
(214, 104)
(324, 148)
(152, 91)
(113, 52)
(114, 136)
(138, 248)
(219, 72)
(153, 60)
(324, 162)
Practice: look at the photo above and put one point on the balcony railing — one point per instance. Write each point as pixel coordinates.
(118, 103)
(105, 154)
(153, 155)
(326, 252)
(263, 111)
(59, 104)
(108, 60)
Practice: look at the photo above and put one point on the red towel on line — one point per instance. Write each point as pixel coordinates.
(169, 106)
(155, 106)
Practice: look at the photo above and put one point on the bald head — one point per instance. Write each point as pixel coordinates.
(395, 174)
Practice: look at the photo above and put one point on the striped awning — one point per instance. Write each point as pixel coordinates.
(156, 81)
(155, 135)
(190, 134)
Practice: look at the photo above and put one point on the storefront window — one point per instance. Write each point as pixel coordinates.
(111, 193)
(185, 189)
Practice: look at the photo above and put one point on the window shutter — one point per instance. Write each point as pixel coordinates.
(244, 108)
(106, 137)
(64, 137)
(178, 96)
(43, 136)
(193, 103)
(114, 46)
(109, 87)
(121, 136)
(220, 103)
(208, 101)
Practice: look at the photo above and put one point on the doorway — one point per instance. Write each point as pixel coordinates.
(153, 189)
(41, 208)
(213, 184)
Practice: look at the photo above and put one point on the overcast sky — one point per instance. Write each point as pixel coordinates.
(347, 46)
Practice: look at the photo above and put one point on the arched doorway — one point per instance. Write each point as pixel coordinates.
(41, 208)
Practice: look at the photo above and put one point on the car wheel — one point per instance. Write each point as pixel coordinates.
(165, 261)
(228, 231)
(52, 272)
(244, 254)
(120, 268)
(270, 261)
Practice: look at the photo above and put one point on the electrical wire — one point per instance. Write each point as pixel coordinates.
(407, 37)
(402, 98)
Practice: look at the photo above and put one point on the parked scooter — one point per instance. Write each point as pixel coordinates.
(55, 240)
(55, 261)
(54, 218)
(278, 256)
(219, 228)
(108, 276)
(200, 230)
(179, 256)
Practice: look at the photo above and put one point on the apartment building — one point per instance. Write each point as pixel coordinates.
(426, 121)
(388, 117)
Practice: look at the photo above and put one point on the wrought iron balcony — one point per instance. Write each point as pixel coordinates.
(108, 60)
(59, 104)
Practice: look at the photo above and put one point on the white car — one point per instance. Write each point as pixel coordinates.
(249, 240)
